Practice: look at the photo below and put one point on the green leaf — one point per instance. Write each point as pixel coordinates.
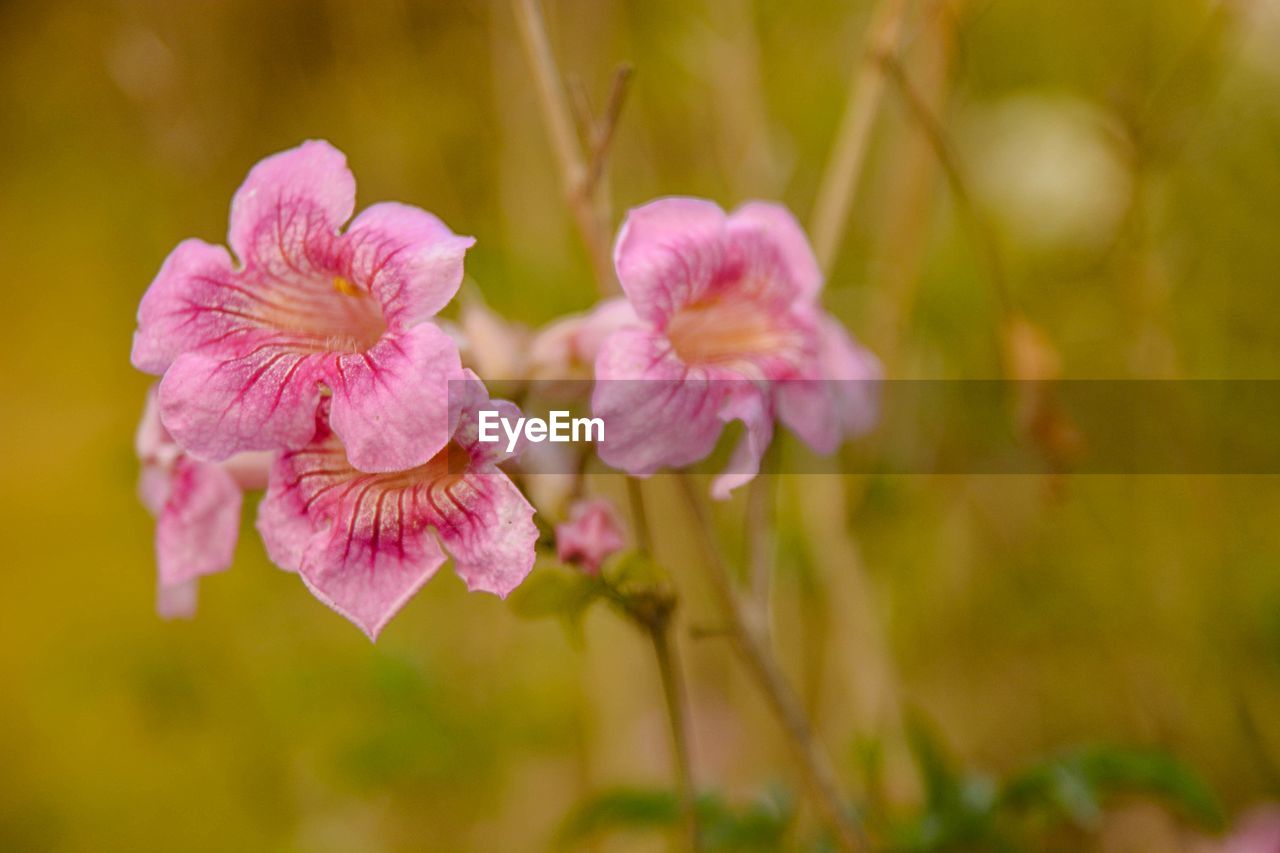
(630, 809)
(1076, 785)
(761, 825)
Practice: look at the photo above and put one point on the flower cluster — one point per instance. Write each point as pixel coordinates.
(313, 363)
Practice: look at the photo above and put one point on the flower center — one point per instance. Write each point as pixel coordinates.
(328, 315)
(727, 330)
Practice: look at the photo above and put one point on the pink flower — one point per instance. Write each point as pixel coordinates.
(729, 327)
(590, 536)
(365, 543)
(246, 352)
(1256, 831)
(197, 509)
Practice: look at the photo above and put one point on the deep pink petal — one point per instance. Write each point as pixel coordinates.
(263, 401)
(390, 404)
(185, 306)
(750, 406)
(364, 543)
(772, 224)
(487, 525)
(839, 398)
(408, 259)
(670, 253)
(348, 570)
(198, 525)
(657, 412)
(286, 215)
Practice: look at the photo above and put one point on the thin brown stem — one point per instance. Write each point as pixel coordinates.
(762, 539)
(814, 765)
(558, 118)
(938, 140)
(602, 130)
(844, 167)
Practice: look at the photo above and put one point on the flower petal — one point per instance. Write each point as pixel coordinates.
(408, 258)
(390, 404)
(290, 207)
(261, 401)
(356, 539)
(777, 226)
(184, 308)
(669, 254)
(487, 525)
(749, 406)
(176, 601)
(841, 400)
(657, 412)
(363, 543)
(198, 525)
(346, 569)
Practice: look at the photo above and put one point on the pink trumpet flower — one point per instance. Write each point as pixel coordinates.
(365, 543)
(590, 536)
(197, 510)
(246, 352)
(728, 327)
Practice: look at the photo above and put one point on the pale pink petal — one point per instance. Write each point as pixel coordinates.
(390, 403)
(839, 400)
(592, 534)
(408, 259)
(749, 406)
(176, 601)
(154, 486)
(261, 401)
(568, 347)
(185, 307)
(657, 412)
(198, 525)
(774, 224)
(670, 253)
(286, 215)
(152, 441)
(250, 470)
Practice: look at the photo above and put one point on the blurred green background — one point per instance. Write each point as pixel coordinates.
(1127, 157)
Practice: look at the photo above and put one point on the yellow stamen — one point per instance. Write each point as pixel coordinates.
(345, 287)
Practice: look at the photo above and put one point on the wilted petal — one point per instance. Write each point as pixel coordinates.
(390, 403)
